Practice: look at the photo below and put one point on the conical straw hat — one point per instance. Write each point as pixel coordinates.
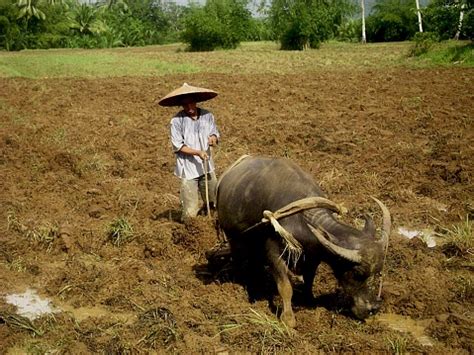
(175, 97)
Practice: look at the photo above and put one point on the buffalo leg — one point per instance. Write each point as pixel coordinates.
(279, 271)
(248, 265)
(309, 273)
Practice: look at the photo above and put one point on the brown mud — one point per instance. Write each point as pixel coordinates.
(78, 154)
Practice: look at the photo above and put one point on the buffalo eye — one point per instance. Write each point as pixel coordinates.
(359, 275)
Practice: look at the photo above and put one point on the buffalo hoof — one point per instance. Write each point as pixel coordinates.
(289, 319)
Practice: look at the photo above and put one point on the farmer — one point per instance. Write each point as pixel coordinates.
(193, 132)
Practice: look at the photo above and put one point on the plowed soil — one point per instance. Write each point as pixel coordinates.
(78, 155)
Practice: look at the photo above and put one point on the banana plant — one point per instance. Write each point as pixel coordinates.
(29, 9)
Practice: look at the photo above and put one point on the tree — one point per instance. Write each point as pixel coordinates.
(53, 31)
(10, 34)
(364, 35)
(465, 7)
(392, 20)
(451, 18)
(302, 24)
(418, 12)
(219, 24)
(86, 21)
(461, 17)
(114, 3)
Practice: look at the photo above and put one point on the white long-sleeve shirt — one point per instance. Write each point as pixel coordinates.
(193, 134)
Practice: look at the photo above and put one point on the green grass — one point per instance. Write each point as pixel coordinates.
(120, 231)
(19, 322)
(83, 63)
(449, 53)
(397, 346)
(459, 239)
(273, 335)
(44, 234)
(249, 58)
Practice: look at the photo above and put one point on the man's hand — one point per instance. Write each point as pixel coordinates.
(203, 155)
(212, 140)
(190, 151)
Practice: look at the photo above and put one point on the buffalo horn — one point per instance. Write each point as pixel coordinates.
(386, 224)
(348, 254)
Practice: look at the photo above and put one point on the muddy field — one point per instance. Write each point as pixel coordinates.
(78, 156)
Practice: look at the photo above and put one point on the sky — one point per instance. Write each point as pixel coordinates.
(368, 3)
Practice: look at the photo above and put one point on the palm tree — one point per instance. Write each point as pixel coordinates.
(364, 36)
(418, 12)
(114, 3)
(85, 19)
(461, 17)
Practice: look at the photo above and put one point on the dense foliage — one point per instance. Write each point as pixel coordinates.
(223, 24)
(300, 24)
(396, 20)
(218, 24)
(443, 18)
(392, 20)
(71, 23)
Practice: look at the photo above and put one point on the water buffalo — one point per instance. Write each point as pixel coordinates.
(256, 184)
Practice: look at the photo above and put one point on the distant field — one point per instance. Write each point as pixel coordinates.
(250, 57)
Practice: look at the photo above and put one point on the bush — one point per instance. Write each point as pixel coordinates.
(350, 31)
(260, 30)
(423, 42)
(293, 39)
(302, 24)
(201, 33)
(219, 24)
(391, 21)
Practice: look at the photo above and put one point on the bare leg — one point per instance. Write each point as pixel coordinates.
(212, 182)
(279, 271)
(189, 198)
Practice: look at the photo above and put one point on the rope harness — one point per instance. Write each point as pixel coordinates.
(292, 247)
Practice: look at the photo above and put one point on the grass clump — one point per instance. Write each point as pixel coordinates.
(272, 325)
(459, 241)
(398, 345)
(19, 322)
(120, 231)
(162, 329)
(464, 287)
(272, 335)
(43, 235)
(17, 265)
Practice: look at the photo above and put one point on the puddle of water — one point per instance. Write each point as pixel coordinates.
(407, 325)
(29, 304)
(427, 235)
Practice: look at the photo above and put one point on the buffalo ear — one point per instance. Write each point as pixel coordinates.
(369, 227)
(348, 254)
